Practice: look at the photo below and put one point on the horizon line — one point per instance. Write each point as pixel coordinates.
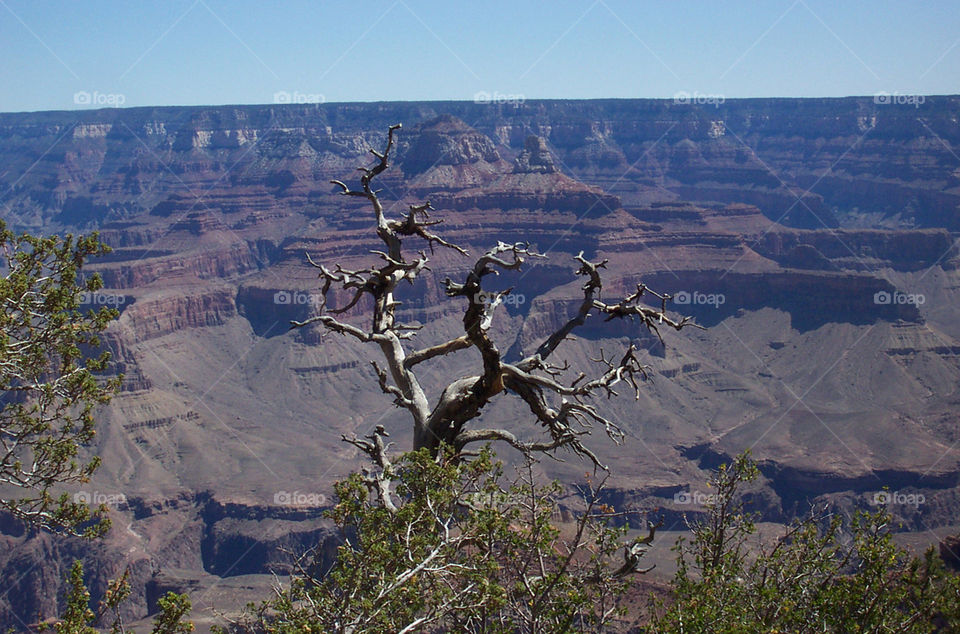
(513, 100)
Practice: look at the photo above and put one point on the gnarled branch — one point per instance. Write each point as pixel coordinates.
(377, 481)
(634, 552)
(533, 379)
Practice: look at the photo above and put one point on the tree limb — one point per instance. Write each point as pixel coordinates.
(376, 449)
(533, 378)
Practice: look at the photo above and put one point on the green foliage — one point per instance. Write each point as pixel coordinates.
(78, 618)
(819, 576)
(458, 554)
(117, 592)
(49, 386)
(173, 609)
(557, 584)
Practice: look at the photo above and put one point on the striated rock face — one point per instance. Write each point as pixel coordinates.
(815, 239)
(168, 312)
(208, 263)
(445, 141)
(547, 192)
(535, 158)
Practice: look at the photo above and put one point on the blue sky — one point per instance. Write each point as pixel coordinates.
(68, 55)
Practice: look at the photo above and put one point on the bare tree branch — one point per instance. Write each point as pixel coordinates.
(633, 552)
(460, 343)
(533, 379)
(378, 482)
(411, 227)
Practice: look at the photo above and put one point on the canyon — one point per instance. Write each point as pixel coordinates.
(814, 239)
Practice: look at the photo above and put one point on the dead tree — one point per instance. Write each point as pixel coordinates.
(562, 408)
